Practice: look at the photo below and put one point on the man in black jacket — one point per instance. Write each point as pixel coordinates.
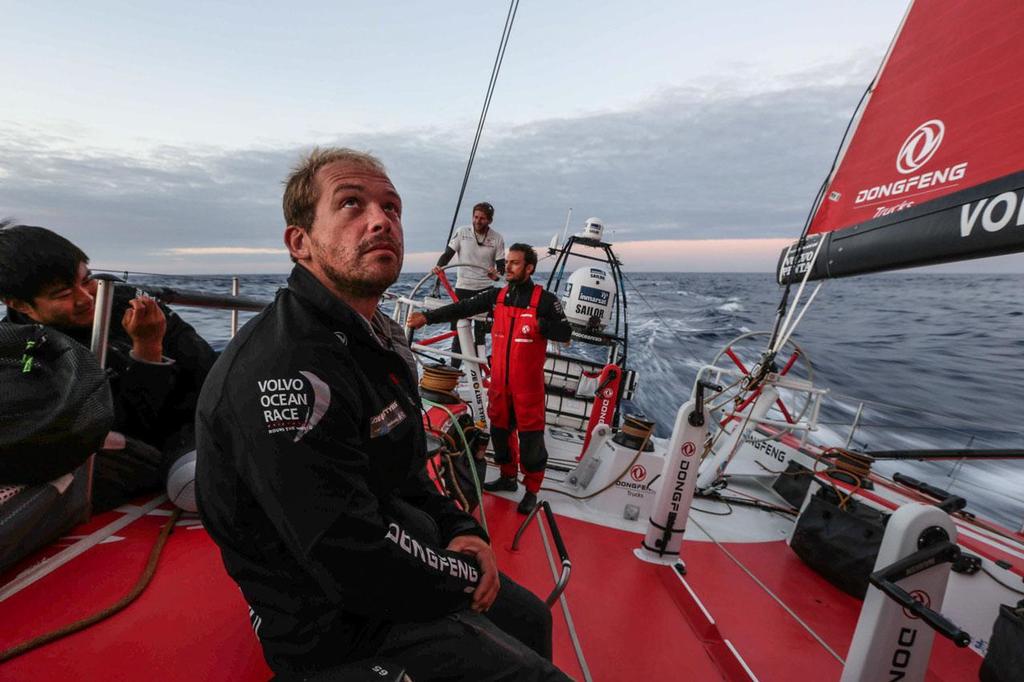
(311, 472)
(525, 316)
(155, 360)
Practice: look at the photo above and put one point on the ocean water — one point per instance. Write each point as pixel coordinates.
(936, 360)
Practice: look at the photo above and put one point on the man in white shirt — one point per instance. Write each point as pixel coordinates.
(475, 245)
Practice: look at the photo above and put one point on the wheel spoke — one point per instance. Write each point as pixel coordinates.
(735, 359)
(785, 412)
(789, 363)
(742, 406)
(732, 401)
(443, 278)
(439, 337)
(785, 370)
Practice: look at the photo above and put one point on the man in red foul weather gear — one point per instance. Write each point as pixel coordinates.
(526, 317)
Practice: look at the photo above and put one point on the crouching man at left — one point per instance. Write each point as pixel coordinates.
(156, 362)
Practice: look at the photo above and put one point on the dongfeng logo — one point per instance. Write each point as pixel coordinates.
(638, 472)
(919, 596)
(920, 146)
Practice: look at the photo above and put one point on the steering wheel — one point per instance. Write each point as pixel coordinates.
(439, 280)
(736, 366)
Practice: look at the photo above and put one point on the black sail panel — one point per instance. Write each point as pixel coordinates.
(982, 221)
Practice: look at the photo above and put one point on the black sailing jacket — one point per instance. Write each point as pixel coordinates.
(311, 479)
(550, 316)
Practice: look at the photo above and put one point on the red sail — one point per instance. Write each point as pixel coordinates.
(934, 170)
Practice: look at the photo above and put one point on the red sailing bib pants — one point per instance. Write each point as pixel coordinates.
(516, 394)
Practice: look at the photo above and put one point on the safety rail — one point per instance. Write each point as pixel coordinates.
(563, 554)
(199, 299)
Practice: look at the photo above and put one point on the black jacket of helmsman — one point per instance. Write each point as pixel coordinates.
(311, 478)
(550, 316)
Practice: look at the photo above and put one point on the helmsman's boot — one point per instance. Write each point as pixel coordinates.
(502, 484)
(527, 504)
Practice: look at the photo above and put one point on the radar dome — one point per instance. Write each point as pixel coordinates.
(589, 297)
(593, 229)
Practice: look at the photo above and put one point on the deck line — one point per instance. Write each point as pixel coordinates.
(565, 607)
(46, 567)
(771, 594)
(736, 653)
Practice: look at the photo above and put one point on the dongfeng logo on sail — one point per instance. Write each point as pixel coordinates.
(920, 147)
(917, 150)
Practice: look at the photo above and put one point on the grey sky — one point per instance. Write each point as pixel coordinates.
(137, 129)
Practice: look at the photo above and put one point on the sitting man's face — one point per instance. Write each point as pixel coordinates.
(63, 304)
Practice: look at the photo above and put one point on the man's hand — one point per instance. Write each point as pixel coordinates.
(416, 320)
(436, 270)
(146, 325)
(487, 590)
(493, 274)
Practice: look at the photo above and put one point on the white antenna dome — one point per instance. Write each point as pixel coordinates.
(593, 228)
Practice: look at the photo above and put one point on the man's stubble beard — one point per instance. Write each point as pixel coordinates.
(358, 283)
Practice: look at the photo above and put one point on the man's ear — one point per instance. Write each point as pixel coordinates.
(19, 305)
(530, 270)
(297, 240)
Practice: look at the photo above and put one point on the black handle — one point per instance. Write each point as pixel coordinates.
(696, 418)
(563, 554)
(947, 503)
(884, 579)
(612, 375)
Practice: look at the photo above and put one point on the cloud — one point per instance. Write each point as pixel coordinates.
(687, 163)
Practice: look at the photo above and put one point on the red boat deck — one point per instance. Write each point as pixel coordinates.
(191, 623)
(740, 605)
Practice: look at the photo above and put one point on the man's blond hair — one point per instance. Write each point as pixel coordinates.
(302, 192)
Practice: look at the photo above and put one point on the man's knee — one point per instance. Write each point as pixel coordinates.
(533, 456)
(499, 438)
(465, 646)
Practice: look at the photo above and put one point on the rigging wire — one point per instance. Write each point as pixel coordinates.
(125, 273)
(783, 303)
(510, 18)
(654, 310)
(802, 241)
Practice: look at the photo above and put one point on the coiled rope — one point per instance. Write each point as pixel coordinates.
(469, 454)
(440, 379)
(79, 625)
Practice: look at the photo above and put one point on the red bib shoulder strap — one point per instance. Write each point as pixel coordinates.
(535, 298)
(501, 297)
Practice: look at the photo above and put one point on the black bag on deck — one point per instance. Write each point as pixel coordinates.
(1004, 660)
(792, 484)
(55, 404)
(55, 410)
(839, 544)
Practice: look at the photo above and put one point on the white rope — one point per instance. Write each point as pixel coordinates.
(789, 332)
(799, 292)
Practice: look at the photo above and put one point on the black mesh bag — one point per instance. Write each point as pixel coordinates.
(792, 484)
(1004, 660)
(55, 404)
(840, 544)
